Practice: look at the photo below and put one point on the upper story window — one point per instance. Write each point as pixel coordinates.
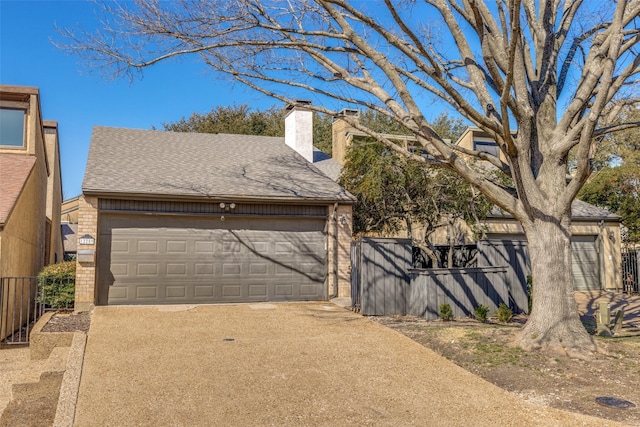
(489, 147)
(11, 127)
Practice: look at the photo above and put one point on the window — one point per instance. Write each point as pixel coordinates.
(11, 127)
(487, 147)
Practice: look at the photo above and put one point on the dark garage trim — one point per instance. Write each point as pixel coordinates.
(211, 208)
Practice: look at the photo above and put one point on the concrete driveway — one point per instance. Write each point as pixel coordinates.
(279, 364)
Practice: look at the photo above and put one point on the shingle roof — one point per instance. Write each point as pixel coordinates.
(579, 211)
(69, 237)
(202, 165)
(14, 171)
(326, 164)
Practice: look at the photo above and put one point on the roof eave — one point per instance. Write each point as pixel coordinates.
(347, 199)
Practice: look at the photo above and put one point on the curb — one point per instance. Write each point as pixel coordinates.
(66, 409)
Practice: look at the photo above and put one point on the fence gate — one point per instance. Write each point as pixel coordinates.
(630, 269)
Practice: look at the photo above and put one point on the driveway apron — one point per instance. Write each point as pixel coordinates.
(279, 364)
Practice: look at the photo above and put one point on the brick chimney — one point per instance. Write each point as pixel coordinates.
(339, 130)
(298, 129)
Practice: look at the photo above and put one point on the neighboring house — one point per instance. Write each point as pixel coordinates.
(30, 198)
(69, 224)
(204, 218)
(30, 185)
(596, 232)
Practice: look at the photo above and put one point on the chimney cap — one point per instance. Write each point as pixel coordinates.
(349, 112)
(298, 103)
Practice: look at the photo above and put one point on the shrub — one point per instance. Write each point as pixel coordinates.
(481, 312)
(504, 313)
(57, 285)
(445, 312)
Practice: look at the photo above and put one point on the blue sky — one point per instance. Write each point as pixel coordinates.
(79, 100)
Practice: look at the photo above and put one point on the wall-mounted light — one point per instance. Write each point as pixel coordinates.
(343, 220)
(227, 206)
(612, 236)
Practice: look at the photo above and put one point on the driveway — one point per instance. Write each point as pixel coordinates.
(279, 364)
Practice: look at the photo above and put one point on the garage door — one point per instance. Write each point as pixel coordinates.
(156, 259)
(512, 249)
(585, 263)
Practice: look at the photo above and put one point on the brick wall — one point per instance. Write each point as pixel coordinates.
(343, 257)
(86, 271)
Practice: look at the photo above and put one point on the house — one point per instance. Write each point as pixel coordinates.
(69, 224)
(30, 185)
(205, 218)
(30, 198)
(596, 232)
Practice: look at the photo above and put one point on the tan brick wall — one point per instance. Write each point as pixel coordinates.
(340, 264)
(86, 271)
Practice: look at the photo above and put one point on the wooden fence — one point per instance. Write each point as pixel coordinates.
(384, 282)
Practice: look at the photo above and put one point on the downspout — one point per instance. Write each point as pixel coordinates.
(335, 251)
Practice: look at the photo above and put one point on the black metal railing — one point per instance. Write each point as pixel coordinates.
(630, 269)
(23, 300)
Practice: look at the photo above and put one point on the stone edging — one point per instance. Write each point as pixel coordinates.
(66, 410)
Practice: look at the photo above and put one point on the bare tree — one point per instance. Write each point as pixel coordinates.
(536, 75)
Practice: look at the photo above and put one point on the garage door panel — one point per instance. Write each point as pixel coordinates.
(585, 263)
(181, 260)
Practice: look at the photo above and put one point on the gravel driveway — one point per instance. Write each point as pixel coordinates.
(279, 364)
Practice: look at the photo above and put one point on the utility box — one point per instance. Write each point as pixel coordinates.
(86, 256)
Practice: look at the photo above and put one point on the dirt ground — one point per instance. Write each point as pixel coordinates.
(558, 382)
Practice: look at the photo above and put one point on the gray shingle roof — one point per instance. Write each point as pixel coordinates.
(326, 164)
(148, 162)
(579, 211)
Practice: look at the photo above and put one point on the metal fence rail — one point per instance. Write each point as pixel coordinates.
(630, 270)
(23, 300)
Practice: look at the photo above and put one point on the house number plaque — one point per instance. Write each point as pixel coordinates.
(86, 240)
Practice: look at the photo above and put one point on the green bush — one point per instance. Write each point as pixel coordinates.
(481, 312)
(504, 313)
(57, 283)
(445, 312)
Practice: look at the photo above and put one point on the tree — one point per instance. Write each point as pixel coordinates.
(395, 193)
(236, 119)
(618, 189)
(240, 119)
(536, 75)
(616, 184)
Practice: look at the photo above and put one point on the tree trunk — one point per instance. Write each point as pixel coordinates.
(554, 324)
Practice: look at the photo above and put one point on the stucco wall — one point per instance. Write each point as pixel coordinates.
(23, 235)
(70, 211)
(54, 193)
(22, 251)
